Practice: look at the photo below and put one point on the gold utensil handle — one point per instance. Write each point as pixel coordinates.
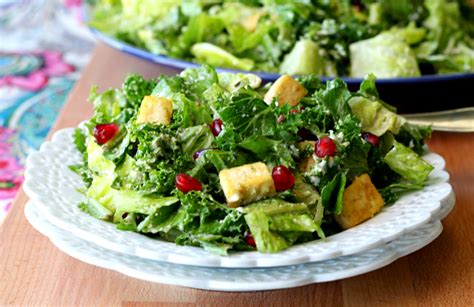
(458, 120)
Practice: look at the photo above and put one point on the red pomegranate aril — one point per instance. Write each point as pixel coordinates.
(216, 127)
(371, 138)
(325, 146)
(295, 110)
(105, 132)
(281, 118)
(283, 178)
(186, 183)
(249, 239)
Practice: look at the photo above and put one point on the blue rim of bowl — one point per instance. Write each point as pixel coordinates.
(181, 64)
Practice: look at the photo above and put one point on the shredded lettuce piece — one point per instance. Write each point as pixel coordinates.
(407, 163)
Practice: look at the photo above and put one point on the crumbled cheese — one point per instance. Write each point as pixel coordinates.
(315, 180)
(319, 168)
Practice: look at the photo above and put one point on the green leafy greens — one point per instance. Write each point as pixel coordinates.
(327, 38)
(130, 179)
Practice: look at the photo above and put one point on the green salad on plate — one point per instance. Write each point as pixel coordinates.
(223, 162)
(403, 38)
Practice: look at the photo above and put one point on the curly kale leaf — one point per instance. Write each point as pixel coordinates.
(135, 87)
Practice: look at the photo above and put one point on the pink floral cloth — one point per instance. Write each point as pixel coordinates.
(11, 171)
(36, 80)
(42, 45)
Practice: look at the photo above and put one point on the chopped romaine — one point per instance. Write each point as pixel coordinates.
(386, 55)
(374, 117)
(236, 160)
(407, 163)
(328, 38)
(303, 59)
(214, 55)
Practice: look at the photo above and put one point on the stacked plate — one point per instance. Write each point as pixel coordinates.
(400, 229)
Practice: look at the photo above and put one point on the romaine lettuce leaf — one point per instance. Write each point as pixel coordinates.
(107, 105)
(97, 162)
(374, 116)
(276, 224)
(331, 194)
(94, 208)
(390, 56)
(234, 81)
(303, 59)
(201, 28)
(407, 163)
(196, 138)
(217, 56)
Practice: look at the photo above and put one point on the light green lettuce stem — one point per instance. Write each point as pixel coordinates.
(407, 163)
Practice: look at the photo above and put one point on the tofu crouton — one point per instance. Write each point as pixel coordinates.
(307, 162)
(361, 201)
(247, 183)
(286, 90)
(155, 110)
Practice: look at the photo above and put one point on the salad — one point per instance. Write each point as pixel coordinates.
(405, 38)
(223, 162)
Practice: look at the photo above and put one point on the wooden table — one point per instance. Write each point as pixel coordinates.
(34, 272)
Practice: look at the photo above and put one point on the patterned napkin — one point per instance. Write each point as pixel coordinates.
(44, 46)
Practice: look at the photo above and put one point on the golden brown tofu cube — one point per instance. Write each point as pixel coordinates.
(247, 183)
(286, 90)
(306, 144)
(361, 201)
(307, 162)
(155, 110)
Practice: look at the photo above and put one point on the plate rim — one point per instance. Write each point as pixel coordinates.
(389, 254)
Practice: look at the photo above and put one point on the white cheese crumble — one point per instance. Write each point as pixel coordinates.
(315, 180)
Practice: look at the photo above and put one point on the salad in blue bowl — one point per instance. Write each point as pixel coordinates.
(425, 47)
(390, 39)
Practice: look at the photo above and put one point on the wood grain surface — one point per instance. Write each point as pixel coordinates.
(34, 272)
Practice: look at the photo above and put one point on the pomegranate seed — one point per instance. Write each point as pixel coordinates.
(325, 146)
(280, 119)
(105, 132)
(295, 110)
(249, 239)
(216, 126)
(283, 178)
(186, 183)
(305, 134)
(371, 138)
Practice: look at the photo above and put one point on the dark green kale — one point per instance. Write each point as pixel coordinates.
(135, 87)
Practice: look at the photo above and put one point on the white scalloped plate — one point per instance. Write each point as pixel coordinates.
(228, 279)
(53, 187)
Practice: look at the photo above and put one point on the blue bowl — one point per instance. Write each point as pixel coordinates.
(410, 94)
